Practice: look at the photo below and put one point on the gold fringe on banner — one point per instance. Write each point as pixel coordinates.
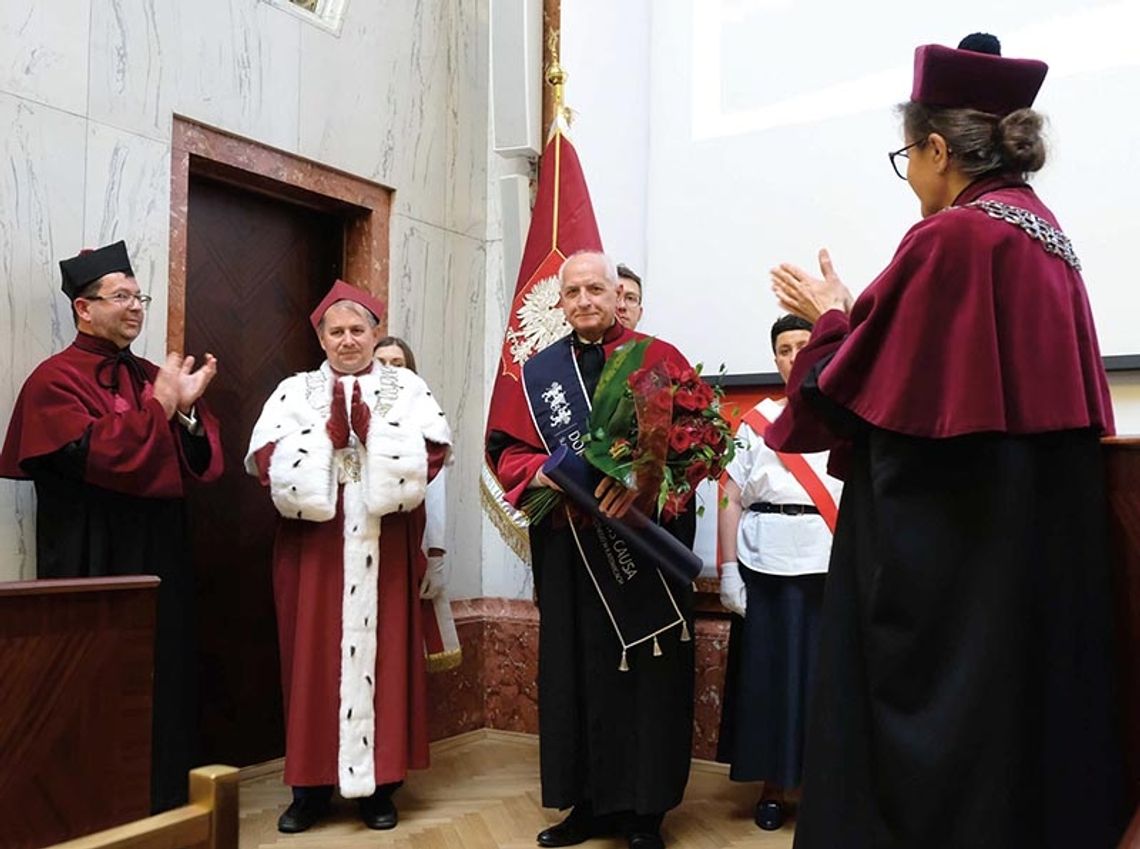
(510, 523)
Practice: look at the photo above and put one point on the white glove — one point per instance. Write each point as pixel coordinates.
(435, 578)
(733, 595)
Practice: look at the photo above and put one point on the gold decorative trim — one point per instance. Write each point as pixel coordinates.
(511, 524)
(445, 660)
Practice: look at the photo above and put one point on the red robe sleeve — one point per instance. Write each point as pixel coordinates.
(436, 456)
(524, 453)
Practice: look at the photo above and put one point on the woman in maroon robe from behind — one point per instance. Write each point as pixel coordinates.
(964, 690)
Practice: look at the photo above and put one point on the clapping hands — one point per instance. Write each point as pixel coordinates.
(178, 386)
(810, 297)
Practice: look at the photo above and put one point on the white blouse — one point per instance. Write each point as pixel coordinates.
(774, 543)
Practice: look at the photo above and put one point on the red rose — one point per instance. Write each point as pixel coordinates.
(705, 395)
(680, 439)
(686, 399)
(696, 473)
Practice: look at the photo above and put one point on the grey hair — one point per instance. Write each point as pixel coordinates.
(982, 143)
(362, 311)
(611, 269)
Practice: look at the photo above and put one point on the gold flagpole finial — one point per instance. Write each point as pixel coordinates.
(556, 79)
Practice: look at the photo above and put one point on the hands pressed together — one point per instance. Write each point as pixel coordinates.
(341, 422)
(178, 386)
(810, 297)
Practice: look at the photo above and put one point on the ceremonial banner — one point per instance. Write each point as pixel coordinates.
(562, 223)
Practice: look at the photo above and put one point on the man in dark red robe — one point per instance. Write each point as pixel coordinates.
(964, 694)
(615, 744)
(347, 452)
(111, 441)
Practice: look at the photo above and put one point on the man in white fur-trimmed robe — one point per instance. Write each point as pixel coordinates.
(347, 452)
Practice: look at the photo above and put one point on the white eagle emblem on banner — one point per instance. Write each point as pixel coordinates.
(541, 322)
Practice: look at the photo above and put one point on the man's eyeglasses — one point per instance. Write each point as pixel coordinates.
(122, 299)
(901, 153)
(631, 298)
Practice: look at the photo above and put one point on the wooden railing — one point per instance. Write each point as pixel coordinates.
(210, 821)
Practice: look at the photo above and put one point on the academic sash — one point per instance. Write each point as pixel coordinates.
(795, 463)
(635, 595)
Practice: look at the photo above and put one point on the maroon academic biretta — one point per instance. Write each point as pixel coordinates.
(975, 76)
(342, 291)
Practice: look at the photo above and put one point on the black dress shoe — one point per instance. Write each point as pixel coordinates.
(302, 815)
(769, 814)
(378, 812)
(646, 840)
(577, 828)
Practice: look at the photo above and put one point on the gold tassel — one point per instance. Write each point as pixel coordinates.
(624, 665)
(685, 632)
(656, 648)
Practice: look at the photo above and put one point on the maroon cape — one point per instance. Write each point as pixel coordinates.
(132, 448)
(972, 328)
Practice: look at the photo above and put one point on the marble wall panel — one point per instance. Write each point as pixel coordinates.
(41, 221)
(233, 64)
(468, 106)
(437, 290)
(128, 197)
(390, 123)
(43, 52)
(455, 697)
(708, 690)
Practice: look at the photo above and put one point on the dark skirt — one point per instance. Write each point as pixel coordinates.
(772, 655)
(964, 695)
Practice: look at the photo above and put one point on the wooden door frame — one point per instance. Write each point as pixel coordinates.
(200, 150)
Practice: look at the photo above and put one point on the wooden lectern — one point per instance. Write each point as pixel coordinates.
(76, 682)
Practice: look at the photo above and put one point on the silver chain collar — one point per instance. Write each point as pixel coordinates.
(1052, 239)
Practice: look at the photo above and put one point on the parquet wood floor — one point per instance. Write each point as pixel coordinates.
(482, 792)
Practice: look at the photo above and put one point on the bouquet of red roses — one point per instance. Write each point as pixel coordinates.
(656, 429)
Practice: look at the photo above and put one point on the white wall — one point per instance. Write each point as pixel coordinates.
(605, 50)
(87, 91)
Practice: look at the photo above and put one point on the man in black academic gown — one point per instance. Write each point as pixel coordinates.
(110, 441)
(615, 726)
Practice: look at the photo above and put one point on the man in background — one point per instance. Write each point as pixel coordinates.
(629, 299)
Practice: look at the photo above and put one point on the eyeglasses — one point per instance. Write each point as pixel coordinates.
(901, 153)
(122, 299)
(631, 299)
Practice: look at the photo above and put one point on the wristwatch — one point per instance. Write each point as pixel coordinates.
(190, 422)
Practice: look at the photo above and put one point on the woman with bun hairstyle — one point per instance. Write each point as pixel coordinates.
(964, 693)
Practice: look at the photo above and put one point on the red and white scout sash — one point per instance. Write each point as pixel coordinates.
(806, 476)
